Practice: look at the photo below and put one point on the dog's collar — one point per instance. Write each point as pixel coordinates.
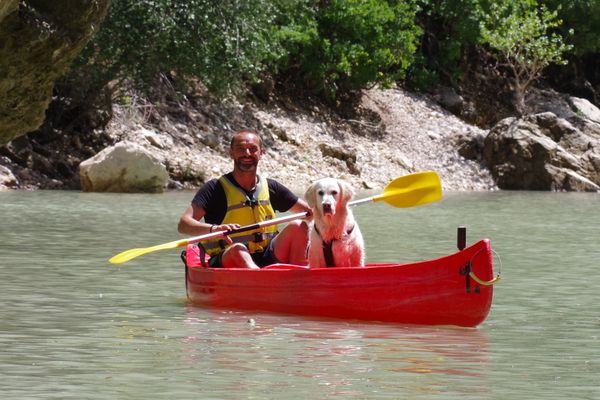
(328, 247)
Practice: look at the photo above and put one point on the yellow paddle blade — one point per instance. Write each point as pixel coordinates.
(133, 253)
(412, 190)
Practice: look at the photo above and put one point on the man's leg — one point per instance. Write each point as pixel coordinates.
(237, 256)
(290, 244)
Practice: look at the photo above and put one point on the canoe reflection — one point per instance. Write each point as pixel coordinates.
(334, 352)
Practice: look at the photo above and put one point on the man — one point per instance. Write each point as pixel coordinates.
(242, 197)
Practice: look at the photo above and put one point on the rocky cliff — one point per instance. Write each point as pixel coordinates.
(38, 41)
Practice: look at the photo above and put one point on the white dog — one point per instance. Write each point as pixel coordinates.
(335, 239)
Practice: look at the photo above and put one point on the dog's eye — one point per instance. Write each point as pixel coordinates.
(320, 192)
(334, 192)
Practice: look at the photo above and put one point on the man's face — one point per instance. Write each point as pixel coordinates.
(246, 152)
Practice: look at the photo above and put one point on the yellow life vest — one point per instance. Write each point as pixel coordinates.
(245, 210)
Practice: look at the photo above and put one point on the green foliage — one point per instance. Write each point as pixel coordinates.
(453, 25)
(452, 31)
(583, 17)
(420, 76)
(224, 44)
(339, 46)
(328, 47)
(522, 34)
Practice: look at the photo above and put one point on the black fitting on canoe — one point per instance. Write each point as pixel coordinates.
(465, 270)
(461, 237)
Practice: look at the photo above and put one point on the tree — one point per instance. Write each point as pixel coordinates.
(224, 44)
(327, 46)
(522, 35)
(339, 46)
(451, 30)
(583, 17)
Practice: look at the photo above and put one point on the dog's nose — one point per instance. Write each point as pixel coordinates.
(327, 208)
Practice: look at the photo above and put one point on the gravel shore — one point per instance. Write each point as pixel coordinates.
(415, 134)
(418, 137)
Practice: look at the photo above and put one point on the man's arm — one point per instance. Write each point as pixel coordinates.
(301, 206)
(189, 223)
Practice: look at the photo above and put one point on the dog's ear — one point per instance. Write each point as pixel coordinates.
(309, 195)
(346, 191)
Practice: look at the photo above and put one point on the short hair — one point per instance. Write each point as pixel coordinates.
(253, 132)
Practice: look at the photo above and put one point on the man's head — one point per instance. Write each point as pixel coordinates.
(245, 150)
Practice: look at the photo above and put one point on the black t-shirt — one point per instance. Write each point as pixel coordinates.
(211, 197)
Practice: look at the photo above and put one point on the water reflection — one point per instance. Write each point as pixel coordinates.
(342, 358)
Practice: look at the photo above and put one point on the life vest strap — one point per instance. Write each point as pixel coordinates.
(248, 203)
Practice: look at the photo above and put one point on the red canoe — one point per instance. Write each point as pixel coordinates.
(452, 290)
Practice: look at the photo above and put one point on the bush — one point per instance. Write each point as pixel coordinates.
(522, 35)
(328, 47)
(583, 17)
(340, 46)
(223, 44)
(451, 29)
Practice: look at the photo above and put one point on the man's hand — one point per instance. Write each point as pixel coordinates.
(225, 227)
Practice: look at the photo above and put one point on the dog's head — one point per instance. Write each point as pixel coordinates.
(328, 195)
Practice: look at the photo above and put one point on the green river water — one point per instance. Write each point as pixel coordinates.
(73, 326)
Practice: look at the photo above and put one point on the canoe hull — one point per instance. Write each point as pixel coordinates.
(433, 292)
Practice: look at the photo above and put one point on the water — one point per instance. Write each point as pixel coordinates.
(73, 326)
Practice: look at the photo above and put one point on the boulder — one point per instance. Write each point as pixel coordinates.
(124, 167)
(38, 41)
(545, 152)
(585, 109)
(345, 155)
(469, 143)
(7, 179)
(449, 99)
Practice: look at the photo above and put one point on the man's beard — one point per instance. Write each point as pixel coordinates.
(246, 166)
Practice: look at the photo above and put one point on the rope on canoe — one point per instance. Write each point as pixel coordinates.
(490, 282)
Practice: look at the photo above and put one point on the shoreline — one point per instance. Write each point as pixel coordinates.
(411, 134)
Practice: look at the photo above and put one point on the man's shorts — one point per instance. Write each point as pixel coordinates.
(262, 259)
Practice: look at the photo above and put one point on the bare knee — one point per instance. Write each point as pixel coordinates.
(299, 228)
(237, 256)
(303, 231)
